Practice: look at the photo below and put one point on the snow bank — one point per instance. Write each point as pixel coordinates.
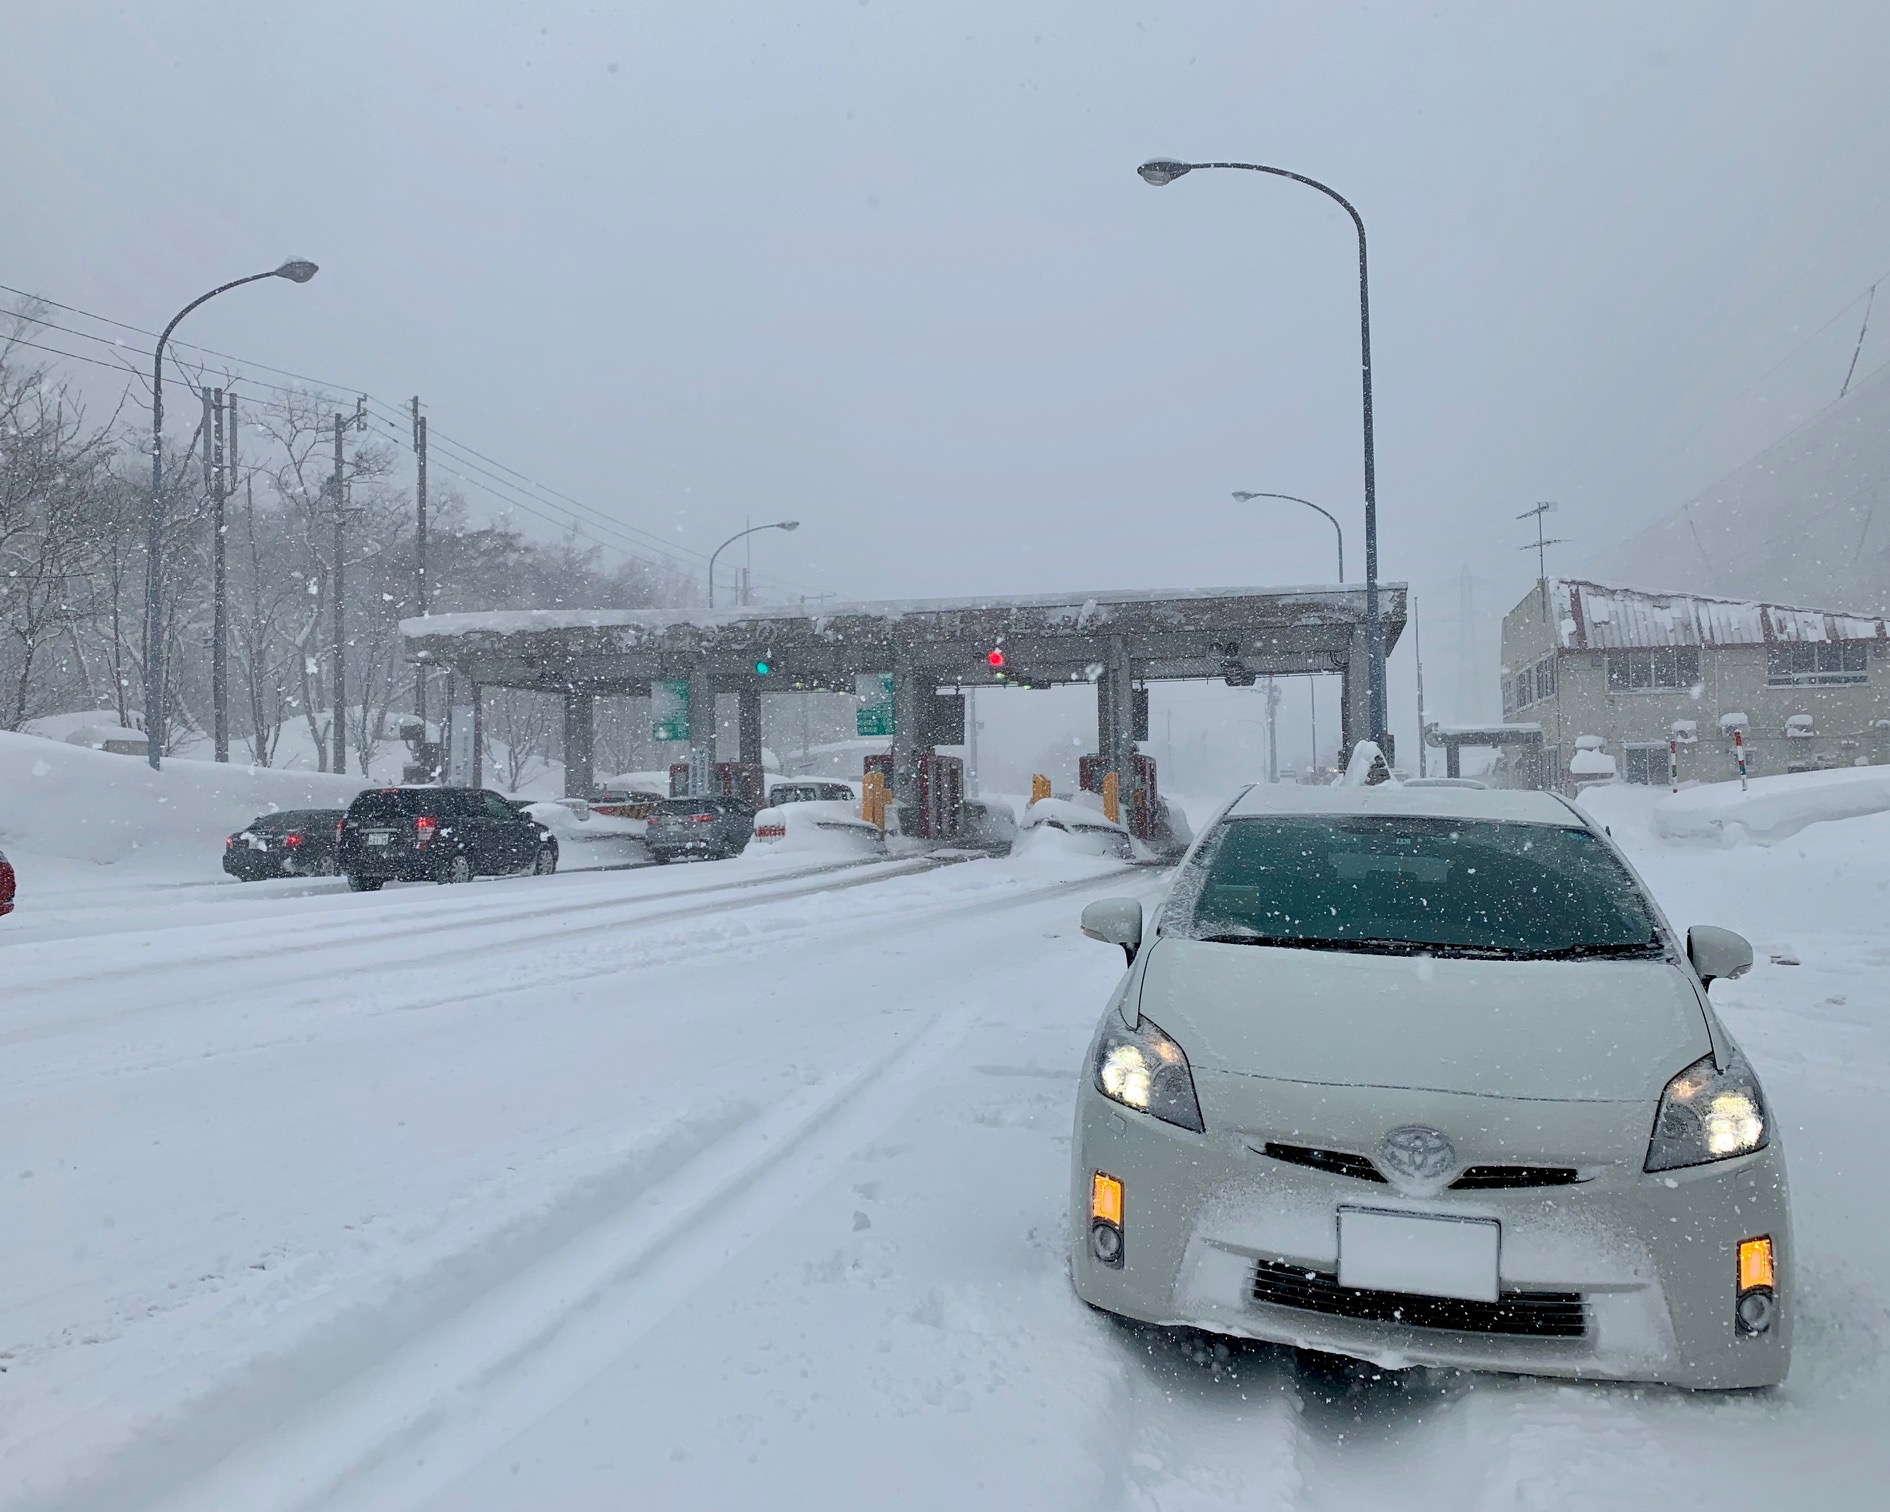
(1773, 808)
(68, 803)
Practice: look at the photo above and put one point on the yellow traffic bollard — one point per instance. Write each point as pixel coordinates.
(1112, 798)
(873, 799)
(1039, 786)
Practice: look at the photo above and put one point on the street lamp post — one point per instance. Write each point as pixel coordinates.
(1244, 496)
(775, 525)
(296, 270)
(1159, 171)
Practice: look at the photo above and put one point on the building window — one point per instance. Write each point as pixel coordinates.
(1645, 764)
(1521, 689)
(1669, 669)
(1818, 662)
(1545, 677)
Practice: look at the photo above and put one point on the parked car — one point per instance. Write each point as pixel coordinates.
(439, 834)
(293, 843)
(699, 828)
(1426, 1077)
(6, 884)
(810, 792)
(624, 803)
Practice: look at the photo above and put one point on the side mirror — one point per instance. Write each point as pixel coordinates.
(1717, 953)
(1118, 921)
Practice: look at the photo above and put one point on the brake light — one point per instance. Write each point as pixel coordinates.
(291, 839)
(703, 818)
(423, 829)
(771, 832)
(229, 841)
(338, 825)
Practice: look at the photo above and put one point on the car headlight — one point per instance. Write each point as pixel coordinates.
(1142, 1068)
(1707, 1114)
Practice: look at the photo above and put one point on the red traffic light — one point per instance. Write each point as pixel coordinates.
(995, 657)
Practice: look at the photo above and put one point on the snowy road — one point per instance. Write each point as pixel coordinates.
(743, 1185)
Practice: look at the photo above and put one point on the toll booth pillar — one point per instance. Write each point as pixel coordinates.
(580, 744)
(1115, 723)
(750, 722)
(701, 732)
(905, 745)
(1355, 697)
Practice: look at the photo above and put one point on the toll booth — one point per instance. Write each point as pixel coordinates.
(1139, 805)
(727, 779)
(941, 796)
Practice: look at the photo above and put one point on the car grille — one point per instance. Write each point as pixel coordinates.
(1530, 1314)
(1492, 1177)
(1338, 1162)
(1477, 1178)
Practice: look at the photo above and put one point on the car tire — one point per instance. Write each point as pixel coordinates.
(364, 884)
(545, 863)
(661, 858)
(459, 869)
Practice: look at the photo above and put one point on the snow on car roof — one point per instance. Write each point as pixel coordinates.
(1391, 798)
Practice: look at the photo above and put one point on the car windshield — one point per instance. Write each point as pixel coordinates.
(688, 807)
(1409, 885)
(293, 819)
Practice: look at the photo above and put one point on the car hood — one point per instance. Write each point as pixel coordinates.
(1566, 1030)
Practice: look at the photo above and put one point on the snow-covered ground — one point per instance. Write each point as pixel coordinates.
(742, 1184)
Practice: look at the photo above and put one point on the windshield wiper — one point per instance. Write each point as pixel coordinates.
(1359, 944)
(1606, 950)
(1630, 950)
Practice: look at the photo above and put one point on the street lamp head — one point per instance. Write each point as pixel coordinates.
(788, 525)
(1243, 496)
(1159, 171)
(297, 270)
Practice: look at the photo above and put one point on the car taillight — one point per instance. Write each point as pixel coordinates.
(228, 841)
(291, 839)
(771, 832)
(338, 827)
(423, 829)
(703, 818)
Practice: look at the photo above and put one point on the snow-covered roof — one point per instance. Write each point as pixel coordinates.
(1078, 608)
(1591, 617)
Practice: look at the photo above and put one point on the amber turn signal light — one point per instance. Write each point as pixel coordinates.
(1756, 1265)
(1105, 1202)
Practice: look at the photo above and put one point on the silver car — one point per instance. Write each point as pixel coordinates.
(1423, 1076)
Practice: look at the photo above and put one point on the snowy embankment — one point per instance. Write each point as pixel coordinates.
(78, 808)
(1771, 808)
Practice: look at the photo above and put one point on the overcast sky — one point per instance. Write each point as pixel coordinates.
(887, 268)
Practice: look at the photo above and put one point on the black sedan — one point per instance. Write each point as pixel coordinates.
(293, 843)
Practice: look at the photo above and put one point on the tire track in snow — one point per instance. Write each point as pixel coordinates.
(321, 932)
(423, 947)
(413, 1421)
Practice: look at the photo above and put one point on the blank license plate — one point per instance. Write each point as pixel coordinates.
(381, 839)
(1433, 1257)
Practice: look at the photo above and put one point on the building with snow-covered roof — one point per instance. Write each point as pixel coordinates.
(1639, 670)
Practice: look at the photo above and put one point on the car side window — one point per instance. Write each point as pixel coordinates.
(498, 808)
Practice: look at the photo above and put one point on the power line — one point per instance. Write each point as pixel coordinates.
(640, 542)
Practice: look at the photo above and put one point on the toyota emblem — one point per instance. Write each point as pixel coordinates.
(1417, 1154)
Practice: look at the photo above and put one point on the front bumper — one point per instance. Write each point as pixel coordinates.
(1652, 1258)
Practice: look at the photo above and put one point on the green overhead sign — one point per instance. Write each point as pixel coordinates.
(669, 710)
(875, 715)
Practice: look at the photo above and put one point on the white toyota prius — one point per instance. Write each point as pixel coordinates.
(1423, 1076)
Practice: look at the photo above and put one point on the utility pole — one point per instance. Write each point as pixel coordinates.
(1273, 742)
(339, 722)
(421, 594)
(1541, 548)
(212, 487)
(1417, 651)
(225, 410)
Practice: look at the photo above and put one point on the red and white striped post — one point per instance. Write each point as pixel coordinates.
(1739, 756)
(1673, 763)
